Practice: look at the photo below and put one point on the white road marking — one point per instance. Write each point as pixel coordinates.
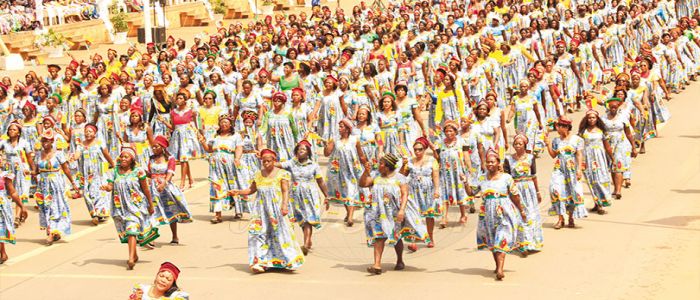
(79, 234)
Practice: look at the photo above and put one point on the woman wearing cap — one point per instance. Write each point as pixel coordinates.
(104, 118)
(424, 186)
(344, 169)
(164, 286)
(19, 98)
(279, 128)
(138, 134)
(305, 197)
(271, 239)
(51, 193)
(595, 159)
(497, 229)
(330, 110)
(453, 156)
(224, 169)
(184, 146)
(390, 219)
(91, 154)
(170, 204)
(388, 121)
(76, 135)
(132, 204)
(565, 189)
(49, 123)
(522, 167)
(8, 194)
(19, 162)
(525, 108)
(619, 136)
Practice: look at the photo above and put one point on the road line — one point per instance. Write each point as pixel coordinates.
(79, 234)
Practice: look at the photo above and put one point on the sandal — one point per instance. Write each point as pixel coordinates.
(257, 269)
(130, 264)
(399, 266)
(602, 211)
(95, 221)
(413, 247)
(443, 225)
(238, 216)
(375, 271)
(571, 223)
(175, 242)
(17, 222)
(431, 245)
(500, 276)
(617, 196)
(472, 209)
(216, 220)
(559, 224)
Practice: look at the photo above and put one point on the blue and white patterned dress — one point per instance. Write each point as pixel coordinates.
(18, 166)
(7, 227)
(380, 214)
(92, 175)
(271, 239)
(344, 170)
(224, 175)
(421, 189)
(452, 169)
(52, 195)
(523, 171)
(130, 207)
(499, 219)
(596, 170)
(304, 197)
(171, 205)
(281, 133)
(565, 190)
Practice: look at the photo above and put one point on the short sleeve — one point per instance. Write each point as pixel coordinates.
(317, 171)
(512, 187)
(435, 165)
(140, 173)
(61, 157)
(179, 295)
(171, 165)
(287, 164)
(284, 175)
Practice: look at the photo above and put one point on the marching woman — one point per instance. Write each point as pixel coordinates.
(105, 118)
(8, 194)
(170, 204)
(567, 67)
(497, 229)
(369, 136)
(388, 120)
(619, 136)
(525, 108)
(91, 155)
(279, 128)
(410, 123)
(522, 168)
(595, 162)
(139, 135)
(271, 239)
(223, 172)
(305, 198)
(251, 141)
(184, 146)
(639, 96)
(344, 169)
(132, 204)
(19, 161)
(565, 187)
(453, 155)
(159, 110)
(209, 116)
(390, 219)
(423, 186)
(51, 194)
(330, 109)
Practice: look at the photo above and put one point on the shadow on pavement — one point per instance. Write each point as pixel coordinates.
(105, 261)
(687, 191)
(471, 271)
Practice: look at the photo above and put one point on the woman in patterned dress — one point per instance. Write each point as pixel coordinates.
(8, 194)
(271, 239)
(170, 203)
(184, 146)
(595, 162)
(369, 136)
(565, 187)
(246, 100)
(453, 156)
(619, 136)
(423, 186)
(91, 154)
(497, 229)
(388, 120)
(224, 169)
(209, 116)
(525, 108)
(279, 128)
(19, 161)
(330, 109)
(139, 135)
(390, 219)
(521, 166)
(132, 204)
(105, 119)
(344, 169)
(305, 197)
(51, 194)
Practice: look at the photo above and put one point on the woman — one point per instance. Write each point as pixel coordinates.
(132, 204)
(91, 155)
(138, 134)
(271, 240)
(497, 229)
(246, 100)
(170, 205)
(390, 218)
(51, 194)
(209, 116)
(522, 168)
(330, 109)
(388, 121)
(595, 161)
(370, 137)
(159, 111)
(184, 145)
(105, 119)
(424, 185)
(619, 136)
(18, 162)
(567, 67)
(453, 156)
(164, 286)
(525, 108)
(8, 194)
(565, 187)
(344, 169)
(410, 123)
(279, 128)
(223, 174)
(305, 198)
(450, 105)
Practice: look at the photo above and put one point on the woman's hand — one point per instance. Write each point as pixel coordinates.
(634, 151)
(539, 197)
(579, 175)
(436, 194)
(237, 162)
(325, 203)
(523, 215)
(160, 187)
(284, 210)
(151, 210)
(400, 216)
